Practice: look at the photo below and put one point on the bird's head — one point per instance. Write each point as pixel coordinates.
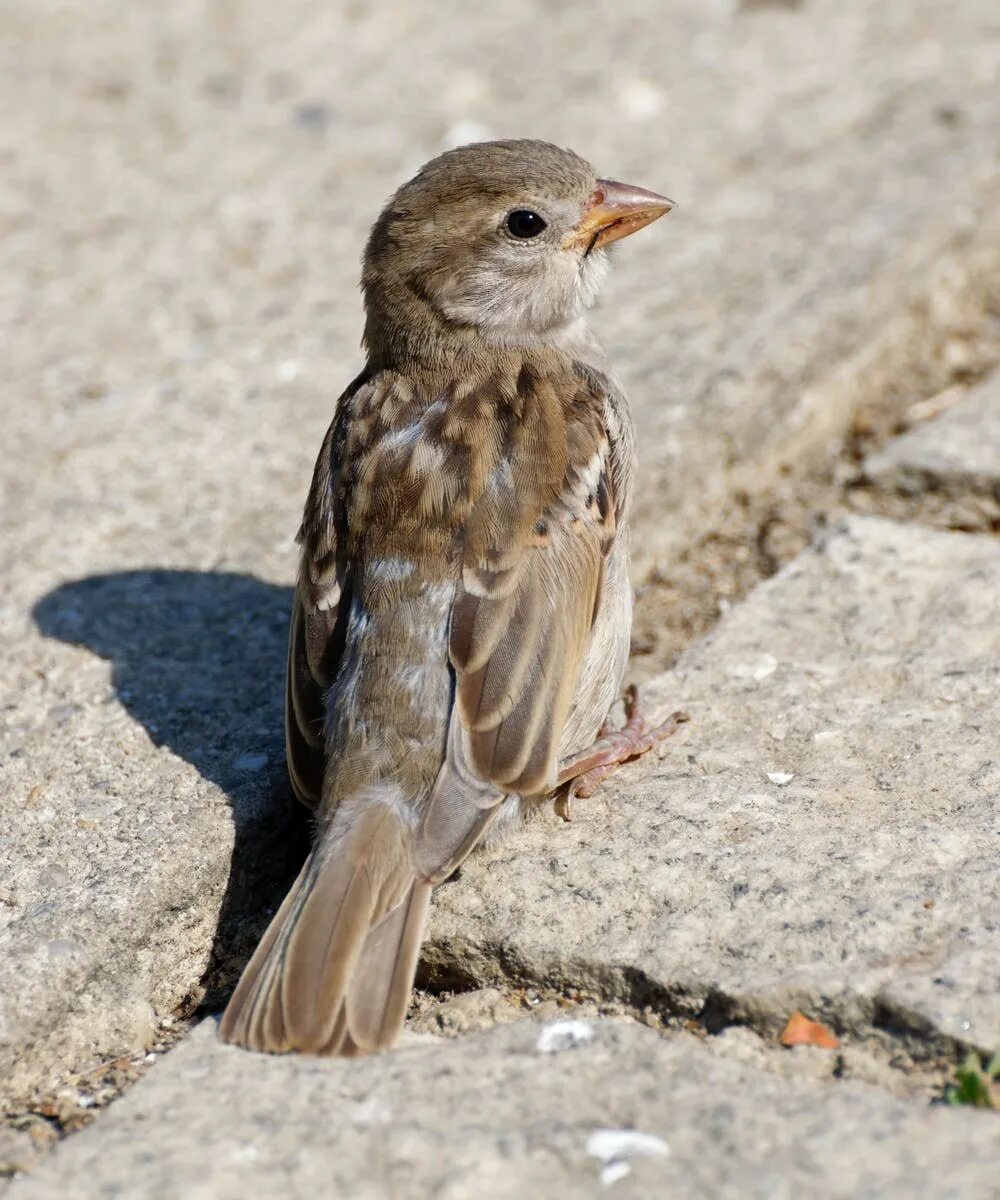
(503, 241)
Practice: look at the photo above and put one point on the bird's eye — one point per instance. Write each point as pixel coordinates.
(523, 223)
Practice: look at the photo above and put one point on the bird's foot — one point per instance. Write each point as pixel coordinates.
(582, 776)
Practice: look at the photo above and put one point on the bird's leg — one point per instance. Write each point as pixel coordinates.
(581, 776)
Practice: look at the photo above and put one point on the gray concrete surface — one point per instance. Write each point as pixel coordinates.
(184, 191)
(187, 188)
(946, 470)
(184, 194)
(623, 1112)
(822, 835)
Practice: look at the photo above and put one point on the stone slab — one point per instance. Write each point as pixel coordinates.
(617, 1111)
(186, 197)
(946, 470)
(824, 833)
(124, 869)
(185, 191)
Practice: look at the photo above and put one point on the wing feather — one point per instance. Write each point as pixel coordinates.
(530, 582)
(532, 540)
(315, 635)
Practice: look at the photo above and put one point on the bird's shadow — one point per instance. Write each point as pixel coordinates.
(198, 658)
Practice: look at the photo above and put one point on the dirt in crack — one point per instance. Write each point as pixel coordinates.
(29, 1129)
(885, 1051)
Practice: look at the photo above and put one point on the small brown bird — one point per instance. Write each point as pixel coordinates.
(461, 622)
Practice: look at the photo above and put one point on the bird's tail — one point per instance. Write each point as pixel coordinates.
(334, 971)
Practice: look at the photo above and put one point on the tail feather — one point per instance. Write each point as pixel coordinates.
(379, 992)
(334, 970)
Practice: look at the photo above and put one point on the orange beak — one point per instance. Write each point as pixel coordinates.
(614, 211)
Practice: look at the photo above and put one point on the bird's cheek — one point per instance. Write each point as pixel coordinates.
(453, 295)
(500, 293)
(592, 273)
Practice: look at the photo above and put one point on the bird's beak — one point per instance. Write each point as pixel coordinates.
(614, 211)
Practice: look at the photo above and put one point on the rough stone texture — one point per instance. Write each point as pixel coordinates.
(947, 470)
(823, 835)
(187, 189)
(495, 1117)
(115, 851)
(183, 193)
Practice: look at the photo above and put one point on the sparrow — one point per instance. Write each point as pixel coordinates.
(462, 615)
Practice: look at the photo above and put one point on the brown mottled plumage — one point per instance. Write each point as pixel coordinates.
(462, 616)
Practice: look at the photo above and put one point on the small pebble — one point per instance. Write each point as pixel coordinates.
(613, 1145)
(613, 1171)
(564, 1035)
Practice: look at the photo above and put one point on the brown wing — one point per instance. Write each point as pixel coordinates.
(530, 582)
(540, 520)
(533, 551)
(315, 639)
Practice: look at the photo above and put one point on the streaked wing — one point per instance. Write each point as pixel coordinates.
(315, 638)
(530, 582)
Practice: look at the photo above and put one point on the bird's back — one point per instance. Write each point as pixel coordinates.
(418, 475)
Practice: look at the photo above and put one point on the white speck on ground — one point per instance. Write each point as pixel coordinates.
(564, 1035)
(615, 1146)
(758, 669)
